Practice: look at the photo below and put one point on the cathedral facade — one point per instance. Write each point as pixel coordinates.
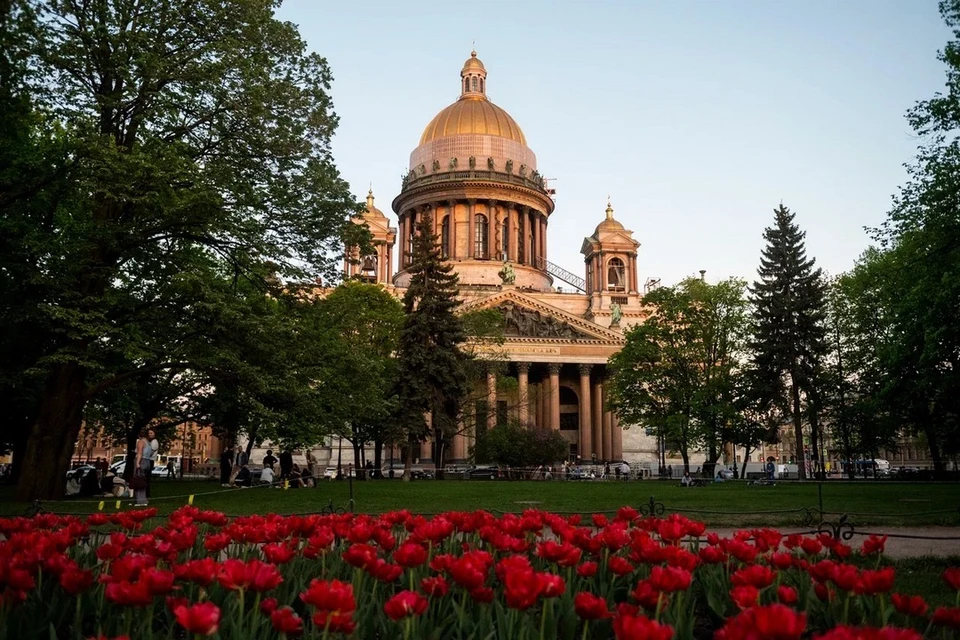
(478, 181)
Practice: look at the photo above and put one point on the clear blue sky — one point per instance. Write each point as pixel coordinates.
(696, 117)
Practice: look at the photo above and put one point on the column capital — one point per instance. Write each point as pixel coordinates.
(554, 368)
(471, 201)
(523, 367)
(585, 369)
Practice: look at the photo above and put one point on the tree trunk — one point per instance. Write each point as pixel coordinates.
(746, 456)
(798, 428)
(439, 450)
(377, 458)
(818, 467)
(935, 454)
(408, 458)
(48, 450)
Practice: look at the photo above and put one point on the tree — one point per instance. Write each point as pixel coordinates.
(520, 447)
(432, 373)
(677, 370)
(788, 309)
(368, 320)
(187, 127)
(920, 263)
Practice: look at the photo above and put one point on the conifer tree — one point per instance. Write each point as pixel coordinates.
(432, 376)
(789, 305)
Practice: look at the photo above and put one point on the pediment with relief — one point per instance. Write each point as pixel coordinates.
(526, 317)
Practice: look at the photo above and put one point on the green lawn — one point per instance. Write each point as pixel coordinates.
(728, 504)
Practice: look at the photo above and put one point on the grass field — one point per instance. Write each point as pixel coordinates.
(727, 504)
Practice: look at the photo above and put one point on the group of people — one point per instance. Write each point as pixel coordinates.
(235, 470)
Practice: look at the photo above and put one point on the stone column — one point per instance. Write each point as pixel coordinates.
(607, 431)
(543, 223)
(534, 238)
(523, 383)
(525, 212)
(597, 419)
(389, 266)
(616, 438)
(452, 225)
(554, 369)
(491, 399)
(401, 236)
(470, 233)
(512, 234)
(586, 427)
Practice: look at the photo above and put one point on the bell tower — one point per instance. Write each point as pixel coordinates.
(377, 266)
(610, 256)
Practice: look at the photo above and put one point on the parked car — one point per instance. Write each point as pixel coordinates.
(483, 473)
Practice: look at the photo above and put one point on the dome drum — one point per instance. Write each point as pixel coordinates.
(483, 148)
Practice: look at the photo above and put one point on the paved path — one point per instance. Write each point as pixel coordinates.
(897, 547)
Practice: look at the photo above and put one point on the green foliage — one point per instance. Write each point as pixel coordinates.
(432, 374)
(516, 446)
(788, 312)
(179, 147)
(677, 371)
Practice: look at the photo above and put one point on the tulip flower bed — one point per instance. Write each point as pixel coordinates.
(457, 575)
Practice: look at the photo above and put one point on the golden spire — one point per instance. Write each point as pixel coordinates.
(370, 197)
(609, 209)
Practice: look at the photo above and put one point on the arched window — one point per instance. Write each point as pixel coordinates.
(590, 275)
(505, 240)
(445, 238)
(481, 85)
(369, 267)
(466, 84)
(480, 237)
(616, 275)
(474, 83)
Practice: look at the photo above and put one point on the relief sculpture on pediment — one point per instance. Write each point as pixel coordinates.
(531, 323)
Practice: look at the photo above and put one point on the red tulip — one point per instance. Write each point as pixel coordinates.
(76, 581)
(669, 579)
(268, 605)
(844, 632)
(404, 604)
(756, 575)
(202, 571)
(787, 595)
(483, 595)
(713, 555)
(619, 566)
(278, 553)
(745, 596)
(947, 617)
(330, 595)
(335, 622)
(909, 605)
(873, 582)
(590, 607)
(587, 569)
(436, 586)
(550, 585)
(285, 621)
(410, 555)
(873, 545)
(202, 619)
(129, 594)
(952, 577)
(628, 627)
(775, 621)
(360, 555)
(253, 575)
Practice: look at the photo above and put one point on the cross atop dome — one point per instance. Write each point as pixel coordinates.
(474, 76)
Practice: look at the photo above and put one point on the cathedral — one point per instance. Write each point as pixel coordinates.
(475, 177)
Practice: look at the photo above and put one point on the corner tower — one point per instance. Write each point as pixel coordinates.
(475, 176)
(378, 266)
(610, 257)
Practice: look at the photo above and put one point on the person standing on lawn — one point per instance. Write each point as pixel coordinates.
(286, 464)
(269, 460)
(151, 455)
(226, 466)
(143, 465)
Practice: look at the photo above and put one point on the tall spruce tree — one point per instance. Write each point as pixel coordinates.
(789, 305)
(432, 376)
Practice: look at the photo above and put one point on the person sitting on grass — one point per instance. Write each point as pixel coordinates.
(244, 477)
(686, 480)
(266, 476)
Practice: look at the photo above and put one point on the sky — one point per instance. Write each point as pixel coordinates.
(696, 117)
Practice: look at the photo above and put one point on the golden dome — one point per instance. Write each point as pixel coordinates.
(608, 223)
(473, 115)
(372, 211)
(473, 62)
(473, 112)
